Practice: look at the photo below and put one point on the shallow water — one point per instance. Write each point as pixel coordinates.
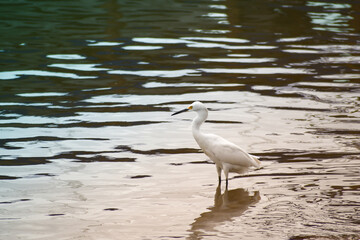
(88, 149)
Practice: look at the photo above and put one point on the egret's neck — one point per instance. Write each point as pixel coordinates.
(198, 120)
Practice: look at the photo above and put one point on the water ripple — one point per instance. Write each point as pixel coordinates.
(16, 74)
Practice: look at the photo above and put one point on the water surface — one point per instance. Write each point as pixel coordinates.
(88, 149)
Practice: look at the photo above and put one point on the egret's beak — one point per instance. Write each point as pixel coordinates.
(181, 111)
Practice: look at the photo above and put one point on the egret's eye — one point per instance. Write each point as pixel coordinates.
(190, 107)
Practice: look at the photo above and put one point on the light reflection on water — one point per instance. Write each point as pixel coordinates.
(87, 138)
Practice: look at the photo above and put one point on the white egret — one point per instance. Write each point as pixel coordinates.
(227, 156)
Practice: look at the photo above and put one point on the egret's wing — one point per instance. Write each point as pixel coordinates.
(228, 152)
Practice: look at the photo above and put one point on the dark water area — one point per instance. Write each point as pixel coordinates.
(88, 149)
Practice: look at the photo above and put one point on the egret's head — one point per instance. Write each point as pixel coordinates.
(195, 106)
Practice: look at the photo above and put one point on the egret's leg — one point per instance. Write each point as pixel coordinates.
(226, 172)
(219, 173)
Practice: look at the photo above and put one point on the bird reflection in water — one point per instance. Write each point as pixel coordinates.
(227, 206)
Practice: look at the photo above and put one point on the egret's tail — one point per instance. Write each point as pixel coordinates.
(256, 161)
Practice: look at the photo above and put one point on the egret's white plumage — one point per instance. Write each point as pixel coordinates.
(226, 155)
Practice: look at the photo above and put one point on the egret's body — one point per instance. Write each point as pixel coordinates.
(226, 155)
